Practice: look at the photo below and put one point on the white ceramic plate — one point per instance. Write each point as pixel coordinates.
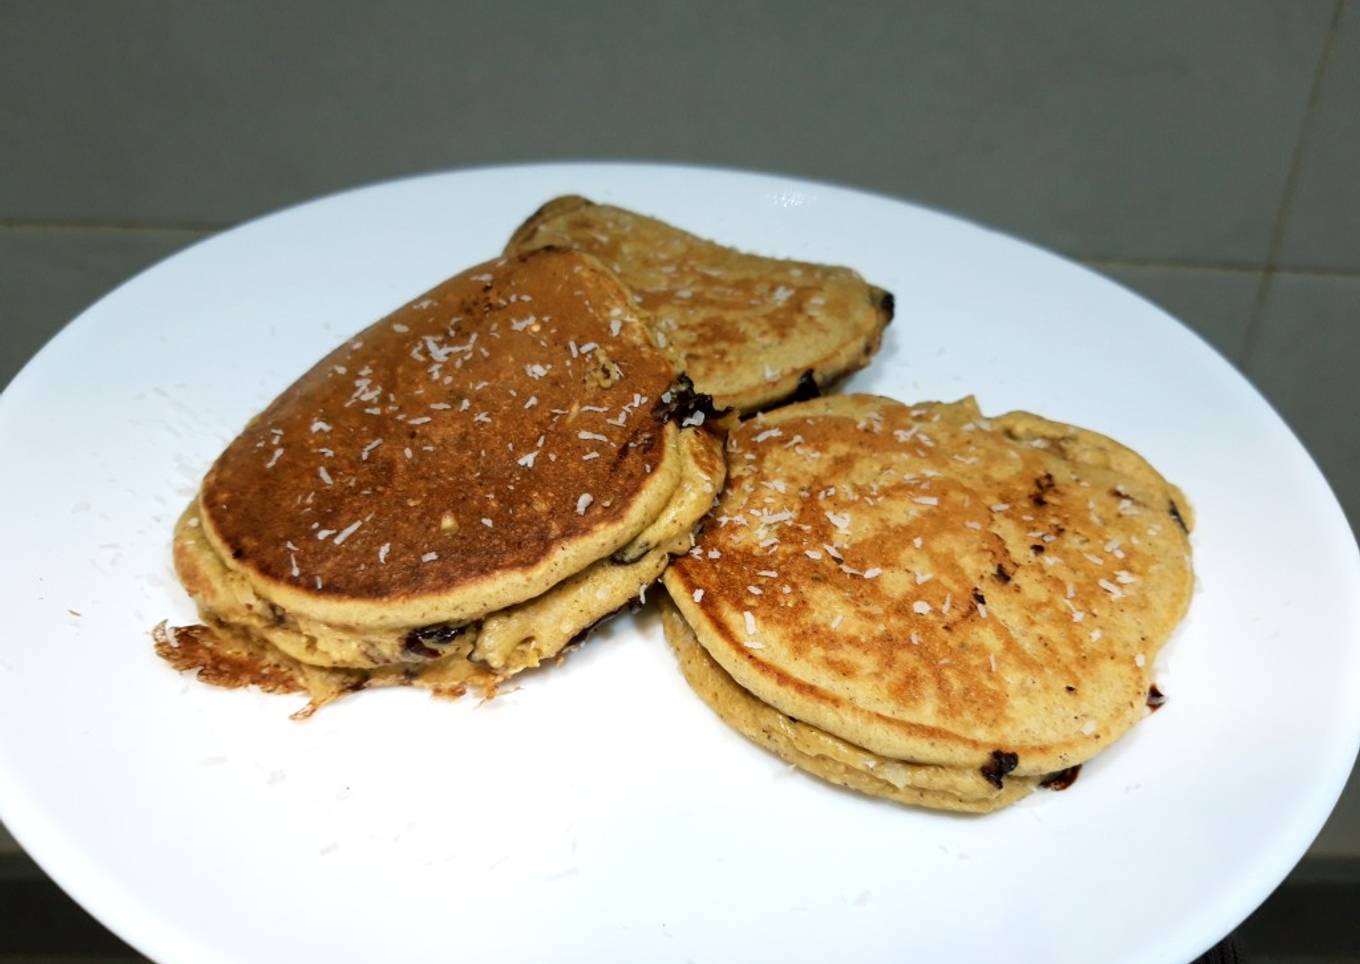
(601, 812)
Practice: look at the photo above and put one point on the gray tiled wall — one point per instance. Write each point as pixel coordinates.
(1202, 153)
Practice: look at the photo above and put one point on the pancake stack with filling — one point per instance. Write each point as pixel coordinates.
(750, 331)
(450, 497)
(927, 605)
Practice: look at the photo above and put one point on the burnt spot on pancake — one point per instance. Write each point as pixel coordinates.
(421, 642)
(1062, 779)
(684, 406)
(1155, 698)
(1002, 575)
(978, 597)
(1043, 485)
(1037, 549)
(1176, 514)
(1002, 763)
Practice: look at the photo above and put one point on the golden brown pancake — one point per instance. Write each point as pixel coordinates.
(478, 453)
(750, 331)
(940, 588)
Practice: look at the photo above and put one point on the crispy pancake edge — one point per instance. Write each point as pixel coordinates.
(822, 754)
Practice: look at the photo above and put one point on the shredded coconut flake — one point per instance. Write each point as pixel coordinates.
(921, 607)
(320, 426)
(750, 620)
(836, 623)
(873, 572)
(592, 436)
(754, 590)
(583, 503)
(768, 434)
(698, 595)
(347, 531)
(278, 453)
(383, 550)
(325, 476)
(926, 500)
(367, 449)
(429, 557)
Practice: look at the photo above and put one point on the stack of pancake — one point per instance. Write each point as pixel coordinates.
(919, 603)
(453, 495)
(927, 605)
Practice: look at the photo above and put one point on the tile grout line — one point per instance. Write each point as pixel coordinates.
(1162, 264)
(1291, 181)
(109, 227)
(203, 229)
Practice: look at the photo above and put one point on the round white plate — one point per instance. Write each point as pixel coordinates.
(601, 812)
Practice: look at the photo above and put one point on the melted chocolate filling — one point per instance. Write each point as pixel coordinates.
(681, 402)
(421, 642)
(1062, 779)
(1001, 764)
(1156, 698)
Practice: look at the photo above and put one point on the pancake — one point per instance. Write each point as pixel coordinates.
(940, 588)
(824, 755)
(750, 331)
(438, 499)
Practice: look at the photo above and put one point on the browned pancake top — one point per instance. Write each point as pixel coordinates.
(467, 434)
